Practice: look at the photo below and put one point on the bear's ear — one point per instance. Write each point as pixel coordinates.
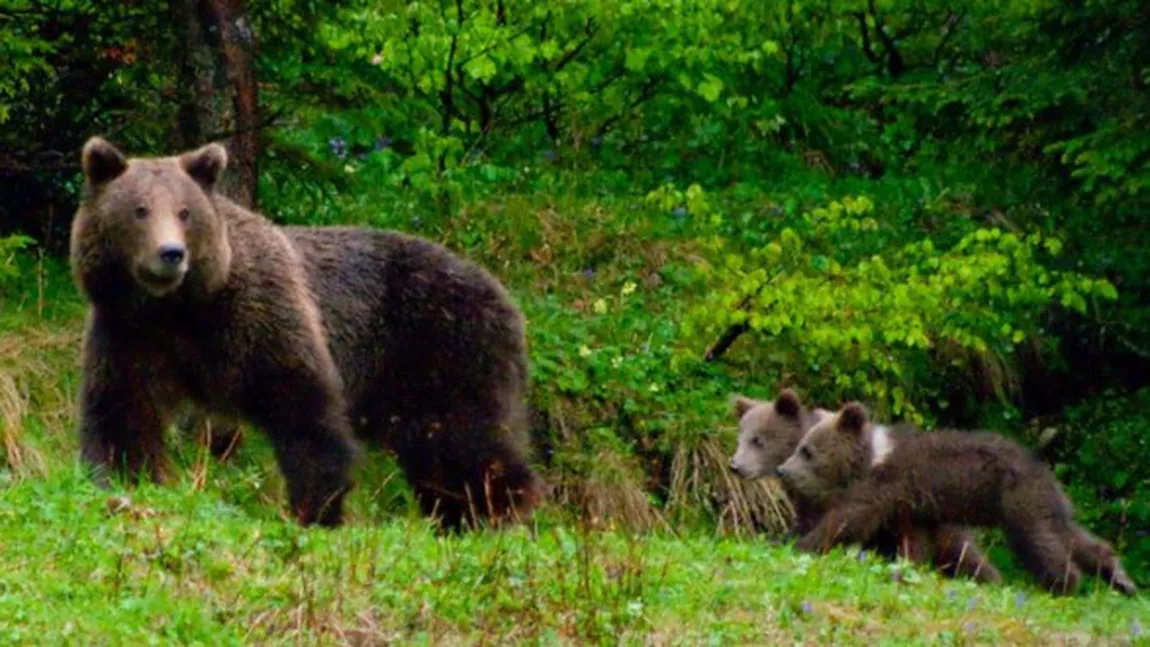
(101, 161)
(852, 418)
(788, 404)
(741, 404)
(205, 164)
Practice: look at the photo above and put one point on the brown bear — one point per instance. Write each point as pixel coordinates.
(315, 335)
(870, 475)
(769, 432)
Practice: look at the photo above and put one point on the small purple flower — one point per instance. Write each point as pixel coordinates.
(1020, 600)
(862, 555)
(807, 607)
(1136, 630)
(951, 594)
(589, 273)
(338, 146)
(382, 143)
(970, 626)
(971, 604)
(680, 212)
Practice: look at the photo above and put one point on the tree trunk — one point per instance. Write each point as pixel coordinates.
(218, 91)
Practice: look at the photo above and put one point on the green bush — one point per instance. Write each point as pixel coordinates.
(1104, 458)
(841, 304)
(9, 270)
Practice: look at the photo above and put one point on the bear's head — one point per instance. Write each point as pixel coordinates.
(830, 456)
(148, 227)
(769, 432)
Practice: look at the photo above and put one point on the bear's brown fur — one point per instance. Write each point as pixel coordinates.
(313, 334)
(769, 432)
(869, 475)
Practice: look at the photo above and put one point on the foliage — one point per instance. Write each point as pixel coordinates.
(1104, 453)
(850, 324)
(9, 270)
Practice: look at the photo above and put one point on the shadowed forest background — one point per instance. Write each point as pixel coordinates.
(938, 208)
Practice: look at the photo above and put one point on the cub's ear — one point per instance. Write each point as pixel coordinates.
(852, 418)
(101, 161)
(741, 404)
(205, 164)
(788, 404)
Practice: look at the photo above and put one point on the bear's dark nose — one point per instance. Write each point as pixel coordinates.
(731, 466)
(779, 470)
(172, 254)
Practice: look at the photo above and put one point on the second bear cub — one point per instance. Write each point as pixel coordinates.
(871, 476)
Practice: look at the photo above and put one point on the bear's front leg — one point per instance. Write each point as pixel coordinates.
(124, 399)
(301, 409)
(855, 519)
(957, 554)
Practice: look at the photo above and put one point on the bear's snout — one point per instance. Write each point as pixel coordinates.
(163, 269)
(172, 254)
(779, 472)
(733, 467)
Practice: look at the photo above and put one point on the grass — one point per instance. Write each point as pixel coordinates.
(183, 564)
(211, 558)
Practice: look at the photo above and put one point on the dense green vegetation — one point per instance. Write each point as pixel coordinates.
(936, 208)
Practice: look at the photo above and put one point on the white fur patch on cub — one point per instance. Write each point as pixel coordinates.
(881, 444)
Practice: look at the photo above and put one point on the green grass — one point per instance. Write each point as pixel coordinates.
(183, 564)
(211, 559)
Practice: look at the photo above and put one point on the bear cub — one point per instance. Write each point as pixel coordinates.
(870, 475)
(318, 336)
(769, 432)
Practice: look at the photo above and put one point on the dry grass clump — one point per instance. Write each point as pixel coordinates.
(32, 392)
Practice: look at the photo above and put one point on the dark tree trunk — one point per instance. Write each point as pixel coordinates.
(219, 96)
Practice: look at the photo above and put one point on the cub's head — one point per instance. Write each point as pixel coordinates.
(148, 226)
(830, 456)
(769, 432)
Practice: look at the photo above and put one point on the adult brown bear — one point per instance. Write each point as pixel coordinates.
(315, 335)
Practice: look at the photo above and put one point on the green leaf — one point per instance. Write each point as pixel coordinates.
(482, 68)
(710, 88)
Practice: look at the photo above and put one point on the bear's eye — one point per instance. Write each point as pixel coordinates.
(805, 452)
(141, 212)
(757, 442)
(185, 214)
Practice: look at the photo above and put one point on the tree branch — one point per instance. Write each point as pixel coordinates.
(951, 24)
(864, 29)
(725, 341)
(645, 93)
(894, 62)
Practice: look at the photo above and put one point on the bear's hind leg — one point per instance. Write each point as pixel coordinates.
(1045, 553)
(466, 475)
(1098, 558)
